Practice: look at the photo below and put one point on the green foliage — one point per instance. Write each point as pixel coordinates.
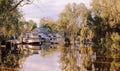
(34, 26)
(30, 25)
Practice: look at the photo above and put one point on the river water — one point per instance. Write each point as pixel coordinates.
(38, 63)
(56, 58)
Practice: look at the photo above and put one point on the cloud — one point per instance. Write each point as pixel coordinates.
(48, 8)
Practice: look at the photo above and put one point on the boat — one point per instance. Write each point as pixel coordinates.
(31, 37)
(33, 47)
(56, 38)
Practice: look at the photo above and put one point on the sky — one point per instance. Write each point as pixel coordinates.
(47, 8)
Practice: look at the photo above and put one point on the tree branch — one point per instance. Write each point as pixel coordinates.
(16, 5)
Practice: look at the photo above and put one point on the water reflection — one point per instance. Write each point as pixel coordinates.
(44, 59)
(10, 59)
(105, 62)
(58, 58)
(71, 59)
(86, 59)
(38, 63)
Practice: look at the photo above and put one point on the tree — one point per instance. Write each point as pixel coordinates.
(106, 21)
(30, 25)
(106, 28)
(11, 25)
(70, 19)
(48, 23)
(9, 5)
(34, 26)
(10, 16)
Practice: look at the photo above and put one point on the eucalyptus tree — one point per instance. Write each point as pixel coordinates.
(70, 20)
(48, 23)
(10, 16)
(106, 23)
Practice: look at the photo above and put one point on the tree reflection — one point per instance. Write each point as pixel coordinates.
(106, 62)
(48, 50)
(72, 60)
(10, 59)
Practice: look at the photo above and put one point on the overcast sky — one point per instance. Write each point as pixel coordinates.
(47, 8)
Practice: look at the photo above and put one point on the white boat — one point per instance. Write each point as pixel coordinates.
(56, 38)
(31, 38)
(33, 47)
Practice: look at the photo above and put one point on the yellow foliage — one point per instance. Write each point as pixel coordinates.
(115, 37)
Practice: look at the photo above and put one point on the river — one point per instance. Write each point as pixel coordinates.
(56, 58)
